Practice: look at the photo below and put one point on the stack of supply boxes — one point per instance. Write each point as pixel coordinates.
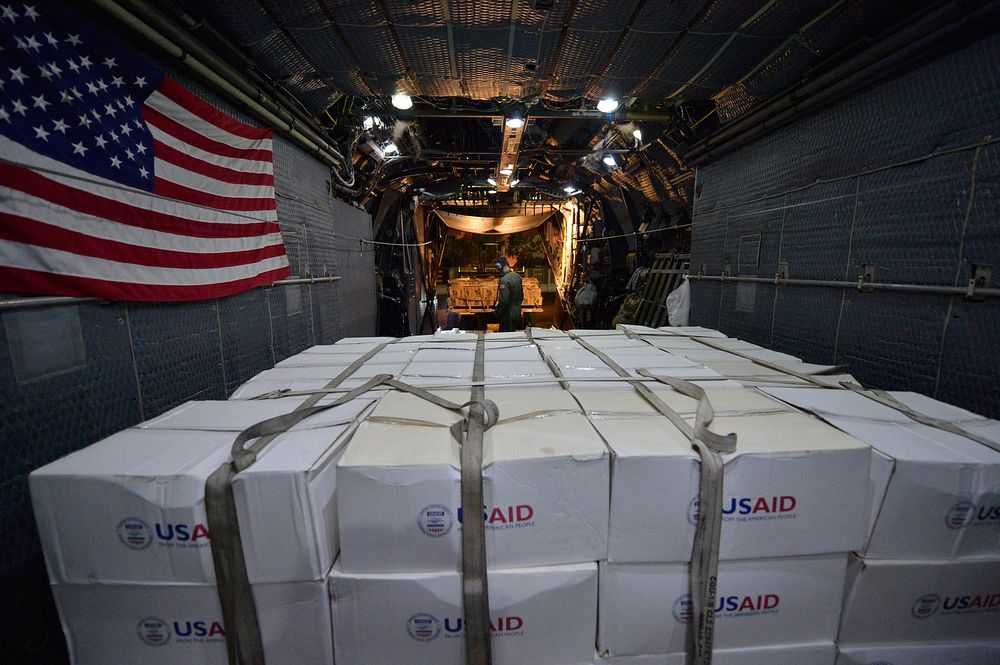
(925, 588)
(841, 517)
(396, 590)
(126, 539)
(795, 499)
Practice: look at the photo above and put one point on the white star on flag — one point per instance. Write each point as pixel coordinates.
(100, 140)
(19, 107)
(74, 39)
(60, 126)
(17, 75)
(9, 13)
(115, 162)
(40, 133)
(79, 148)
(29, 12)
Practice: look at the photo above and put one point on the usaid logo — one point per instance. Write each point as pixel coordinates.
(435, 520)
(925, 606)
(153, 631)
(683, 611)
(423, 627)
(134, 533)
(966, 513)
(138, 535)
(736, 606)
(750, 508)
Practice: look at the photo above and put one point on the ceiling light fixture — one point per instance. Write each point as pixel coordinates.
(514, 122)
(506, 171)
(637, 133)
(608, 105)
(513, 183)
(491, 181)
(369, 122)
(610, 160)
(402, 102)
(569, 189)
(390, 148)
(491, 191)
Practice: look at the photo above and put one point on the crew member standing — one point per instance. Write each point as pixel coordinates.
(510, 295)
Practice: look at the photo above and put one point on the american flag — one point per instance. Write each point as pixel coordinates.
(115, 181)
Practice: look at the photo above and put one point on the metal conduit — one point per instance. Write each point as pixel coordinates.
(971, 290)
(225, 78)
(57, 301)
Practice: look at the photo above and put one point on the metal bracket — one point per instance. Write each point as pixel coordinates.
(867, 276)
(980, 280)
(782, 273)
(727, 272)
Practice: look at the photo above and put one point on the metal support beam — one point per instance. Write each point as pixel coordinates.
(971, 290)
(59, 301)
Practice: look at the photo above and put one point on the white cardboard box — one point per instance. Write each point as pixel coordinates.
(545, 485)
(900, 602)
(795, 486)
(822, 653)
(646, 608)
(936, 494)
(131, 508)
(540, 616)
(172, 624)
(922, 654)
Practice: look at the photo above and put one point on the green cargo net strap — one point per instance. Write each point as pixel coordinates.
(244, 645)
(475, 590)
(704, 569)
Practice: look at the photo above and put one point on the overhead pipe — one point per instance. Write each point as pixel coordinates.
(914, 43)
(222, 75)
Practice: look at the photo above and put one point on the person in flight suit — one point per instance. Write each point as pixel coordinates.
(510, 295)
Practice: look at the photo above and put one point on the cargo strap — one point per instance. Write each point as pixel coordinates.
(880, 396)
(244, 645)
(475, 590)
(884, 398)
(704, 569)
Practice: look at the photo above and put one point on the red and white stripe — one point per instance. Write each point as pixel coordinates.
(208, 229)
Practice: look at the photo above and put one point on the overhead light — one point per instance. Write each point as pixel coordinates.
(569, 189)
(390, 148)
(491, 181)
(369, 122)
(491, 191)
(513, 183)
(402, 102)
(637, 133)
(514, 123)
(506, 171)
(608, 105)
(610, 160)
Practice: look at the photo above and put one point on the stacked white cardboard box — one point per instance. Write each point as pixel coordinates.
(586, 489)
(396, 590)
(925, 588)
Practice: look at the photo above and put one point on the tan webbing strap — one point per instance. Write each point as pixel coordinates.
(244, 645)
(704, 568)
(884, 398)
(475, 590)
(880, 396)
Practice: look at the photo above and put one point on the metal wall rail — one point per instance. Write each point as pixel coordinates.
(971, 291)
(56, 301)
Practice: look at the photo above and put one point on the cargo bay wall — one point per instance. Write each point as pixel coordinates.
(71, 375)
(904, 177)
